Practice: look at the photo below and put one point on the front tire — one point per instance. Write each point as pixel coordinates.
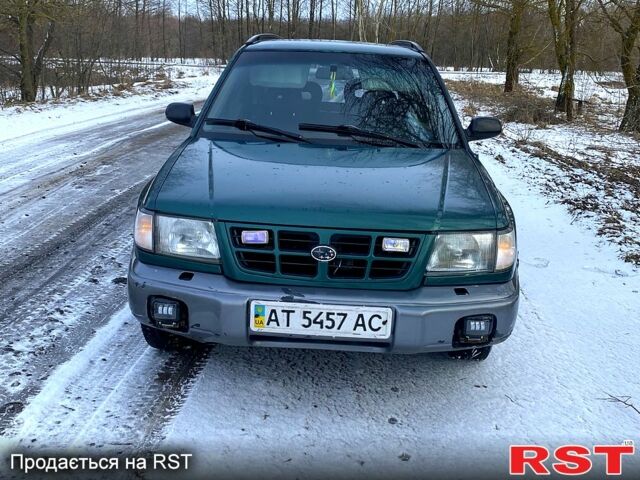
(478, 354)
(160, 339)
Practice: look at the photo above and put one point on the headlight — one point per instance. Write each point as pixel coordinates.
(473, 252)
(185, 237)
(463, 252)
(143, 232)
(507, 251)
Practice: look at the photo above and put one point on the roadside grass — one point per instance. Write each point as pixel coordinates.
(131, 80)
(522, 105)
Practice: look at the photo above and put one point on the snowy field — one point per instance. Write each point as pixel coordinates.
(590, 86)
(76, 374)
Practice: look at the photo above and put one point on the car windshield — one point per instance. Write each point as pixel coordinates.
(392, 96)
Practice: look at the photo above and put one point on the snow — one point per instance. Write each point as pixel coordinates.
(42, 138)
(66, 373)
(589, 86)
(19, 124)
(279, 412)
(575, 342)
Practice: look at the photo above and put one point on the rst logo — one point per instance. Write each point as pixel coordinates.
(567, 459)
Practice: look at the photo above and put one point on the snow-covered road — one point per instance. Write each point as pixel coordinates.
(68, 224)
(76, 373)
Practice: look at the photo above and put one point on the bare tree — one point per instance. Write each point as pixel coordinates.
(624, 17)
(514, 10)
(564, 16)
(70, 45)
(24, 16)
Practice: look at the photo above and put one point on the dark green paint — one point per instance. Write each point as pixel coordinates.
(373, 190)
(397, 189)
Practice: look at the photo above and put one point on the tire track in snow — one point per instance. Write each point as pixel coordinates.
(55, 160)
(54, 305)
(117, 392)
(63, 268)
(36, 251)
(47, 209)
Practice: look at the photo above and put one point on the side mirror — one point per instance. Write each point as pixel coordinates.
(483, 127)
(181, 113)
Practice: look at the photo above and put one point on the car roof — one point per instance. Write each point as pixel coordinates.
(339, 46)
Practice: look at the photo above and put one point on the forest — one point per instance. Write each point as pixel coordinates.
(61, 47)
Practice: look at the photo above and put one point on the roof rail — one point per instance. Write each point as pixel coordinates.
(261, 37)
(408, 44)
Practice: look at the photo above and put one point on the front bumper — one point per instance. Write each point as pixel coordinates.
(424, 318)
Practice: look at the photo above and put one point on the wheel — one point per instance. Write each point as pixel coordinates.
(479, 354)
(160, 339)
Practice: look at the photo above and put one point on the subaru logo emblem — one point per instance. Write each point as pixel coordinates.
(322, 253)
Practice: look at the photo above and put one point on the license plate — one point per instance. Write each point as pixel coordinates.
(336, 321)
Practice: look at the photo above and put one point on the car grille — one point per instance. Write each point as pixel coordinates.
(288, 255)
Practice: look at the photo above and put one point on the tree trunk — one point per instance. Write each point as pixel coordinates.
(569, 83)
(164, 25)
(38, 66)
(333, 18)
(27, 86)
(248, 18)
(360, 12)
(631, 118)
(312, 12)
(136, 34)
(561, 98)
(564, 24)
(513, 48)
(569, 89)
(271, 6)
(222, 39)
(319, 23)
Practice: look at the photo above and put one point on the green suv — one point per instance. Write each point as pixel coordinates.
(326, 198)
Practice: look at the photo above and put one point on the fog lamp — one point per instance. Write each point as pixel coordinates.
(476, 329)
(395, 244)
(255, 237)
(166, 313)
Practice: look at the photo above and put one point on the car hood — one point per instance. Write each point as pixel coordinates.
(300, 185)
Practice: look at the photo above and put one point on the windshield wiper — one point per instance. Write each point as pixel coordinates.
(353, 131)
(249, 126)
